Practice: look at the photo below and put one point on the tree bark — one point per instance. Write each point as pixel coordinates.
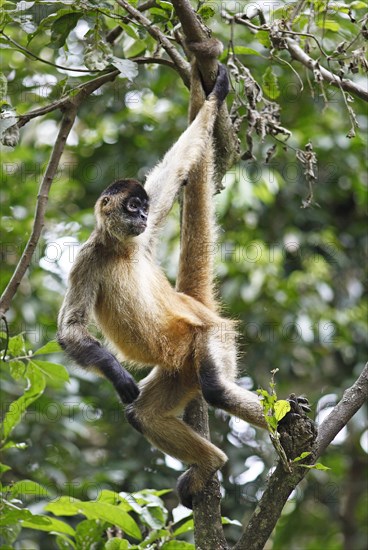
(281, 484)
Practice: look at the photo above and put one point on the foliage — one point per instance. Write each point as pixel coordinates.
(290, 259)
(140, 520)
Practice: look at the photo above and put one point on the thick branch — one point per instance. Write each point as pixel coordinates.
(352, 400)
(298, 54)
(226, 143)
(281, 484)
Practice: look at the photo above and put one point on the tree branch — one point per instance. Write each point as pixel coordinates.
(298, 54)
(116, 31)
(86, 89)
(347, 85)
(70, 107)
(226, 143)
(39, 218)
(352, 400)
(280, 485)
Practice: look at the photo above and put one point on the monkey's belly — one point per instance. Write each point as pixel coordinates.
(166, 345)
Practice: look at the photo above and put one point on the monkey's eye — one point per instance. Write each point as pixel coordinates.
(105, 201)
(134, 204)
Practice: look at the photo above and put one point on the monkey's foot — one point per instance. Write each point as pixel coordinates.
(189, 484)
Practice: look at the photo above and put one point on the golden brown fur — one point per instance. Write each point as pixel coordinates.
(116, 279)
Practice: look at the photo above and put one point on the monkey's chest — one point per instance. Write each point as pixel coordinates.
(133, 311)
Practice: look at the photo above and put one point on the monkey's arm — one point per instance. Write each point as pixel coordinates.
(165, 180)
(73, 335)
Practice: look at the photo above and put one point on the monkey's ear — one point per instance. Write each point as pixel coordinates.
(105, 201)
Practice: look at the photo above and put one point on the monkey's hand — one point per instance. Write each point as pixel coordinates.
(221, 87)
(126, 387)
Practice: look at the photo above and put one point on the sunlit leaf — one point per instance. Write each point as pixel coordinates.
(35, 388)
(50, 347)
(53, 370)
(282, 407)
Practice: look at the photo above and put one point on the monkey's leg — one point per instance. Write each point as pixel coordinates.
(229, 396)
(216, 360)
(162, 397)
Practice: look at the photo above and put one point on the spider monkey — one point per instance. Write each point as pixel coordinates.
(115, 277)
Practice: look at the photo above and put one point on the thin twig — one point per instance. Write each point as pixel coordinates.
(298, 54)
(84, 88)
(116, 31)
(34, 56)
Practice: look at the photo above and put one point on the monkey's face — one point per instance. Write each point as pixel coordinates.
(122, 209)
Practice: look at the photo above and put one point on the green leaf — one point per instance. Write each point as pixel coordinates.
(153, 516)
(243, 50)
(178, 545)
(185, 528)
(62, 26)
(138, 47)
(358, 5)
(55, 371)
(128, 69)
(64, 543)
(89, 532)
(64, 506)
(272, 422)
(36, 386)
(302, 456)
(114, 515)
(28, 487)
(320, 466)
(130, 30)
(44, 523)
(116, 544)
(48, 22)
(17, 345)
(264, 38)
(282, 407)
(206, 12)
(13, 445)
(17, 369)
(270, 84)
(227, 521)
(328, 24)
(50, 347)
(165, 5)
(111, 514)
(12, 516)
(157, 11)
(4, 468)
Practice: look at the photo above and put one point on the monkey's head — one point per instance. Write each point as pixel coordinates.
(122, 209)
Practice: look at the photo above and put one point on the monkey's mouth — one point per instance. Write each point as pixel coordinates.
(139, 227)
